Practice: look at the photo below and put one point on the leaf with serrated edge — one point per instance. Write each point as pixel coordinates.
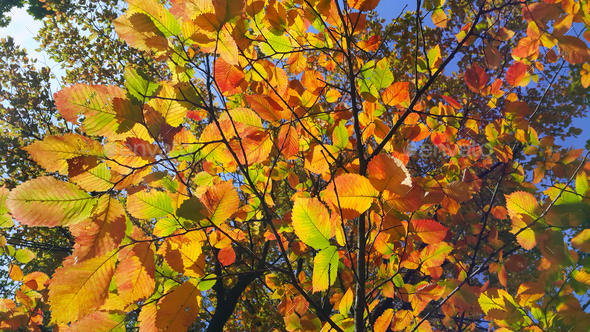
(325, 268)
(351, 191)
(428, 230)
(135, 275)
(382, 323)
(147, 205)
(221, 201)
(77, 291)
(179, 309)
(46, 201)
(311, 222)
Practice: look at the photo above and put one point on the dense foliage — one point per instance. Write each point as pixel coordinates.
(299, 165)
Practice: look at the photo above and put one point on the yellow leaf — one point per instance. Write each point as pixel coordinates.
(346, 302)
(79, 290)
(227, 48)
(351, 192)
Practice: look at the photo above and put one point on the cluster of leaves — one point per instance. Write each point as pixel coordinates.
(264, 182)
(35, 8)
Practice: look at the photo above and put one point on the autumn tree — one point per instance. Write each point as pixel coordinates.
(298, 165)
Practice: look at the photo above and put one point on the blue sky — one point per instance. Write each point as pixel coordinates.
(23, 28)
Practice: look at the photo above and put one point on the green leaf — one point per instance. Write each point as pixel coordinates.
(162, 18)
(165, 227)
(325, 268)
(340, 136)
(398, 281)
(582, 183)
(278, 41)
(5, 217)
(138, 85)
(382, 76)
(205, 285)
(192, 209)
(311, 222)
(24, 255)
(148, 205)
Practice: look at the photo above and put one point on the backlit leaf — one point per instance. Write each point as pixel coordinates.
(79, 290)
(312, 222)
(521, 202)
(221, 201)
(382, 323)
(325, 268)
(389, 173)
(135, 274)
(46, 201)
(476, 78)
(100, 321)
(179, 309)
(516, 73)
(346, 302)
(351, 192)
(428, 230)
(101, 233)
(582, 240)
(147, 205)
(53, 152)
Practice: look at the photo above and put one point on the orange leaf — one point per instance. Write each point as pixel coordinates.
(228, 76)
(135, 275)
(179, 309)
(221, 201)
(516, 73)
(573, 49)
(288, 142)
(453, 102)
(458, 191)
(389, 173)
(428, 230)
(382, 323)
(396, 93)
(401, 320)
(226, 256)
(100, 321)
(526, 47)
(363, 5)
(100, 234)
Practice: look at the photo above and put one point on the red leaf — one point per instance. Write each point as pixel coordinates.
(516, 263)
(476, 78)
(453, 102)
